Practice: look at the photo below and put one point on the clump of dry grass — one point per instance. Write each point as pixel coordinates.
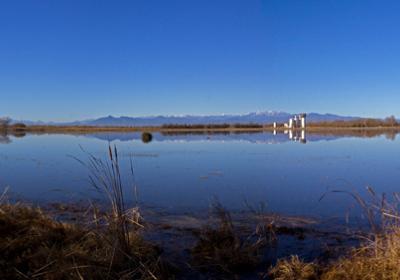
(105, 177)
(378, 257)
(35, 246)
(294, 269)
(223, 249)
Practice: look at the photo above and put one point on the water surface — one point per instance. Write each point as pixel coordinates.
(183, 173)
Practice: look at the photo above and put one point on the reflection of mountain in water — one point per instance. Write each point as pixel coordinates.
(259, 137)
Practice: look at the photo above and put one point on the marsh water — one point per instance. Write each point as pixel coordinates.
(183, 173)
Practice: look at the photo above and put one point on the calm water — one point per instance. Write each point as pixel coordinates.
(185, 172)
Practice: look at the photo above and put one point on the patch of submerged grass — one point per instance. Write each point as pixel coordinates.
(221, 248)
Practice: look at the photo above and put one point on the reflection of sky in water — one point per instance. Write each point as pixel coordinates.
(186, 172)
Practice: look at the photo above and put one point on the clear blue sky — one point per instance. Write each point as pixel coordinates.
(75, 59)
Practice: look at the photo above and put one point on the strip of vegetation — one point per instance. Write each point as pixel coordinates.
(6, 126)
(377, 259)
(212, 126)
(389, 122)
(196, 126)
(35, 246)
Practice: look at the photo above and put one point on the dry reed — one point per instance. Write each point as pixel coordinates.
(378, 257)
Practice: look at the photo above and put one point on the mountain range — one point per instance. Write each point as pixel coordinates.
(254, 117)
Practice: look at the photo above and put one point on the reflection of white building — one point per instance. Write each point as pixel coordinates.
(297, 136)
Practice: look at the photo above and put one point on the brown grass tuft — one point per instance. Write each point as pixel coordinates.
(294, 269)
(35, 246)
(378, 258)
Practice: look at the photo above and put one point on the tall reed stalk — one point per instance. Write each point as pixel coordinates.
(105, 177)
(3, 196)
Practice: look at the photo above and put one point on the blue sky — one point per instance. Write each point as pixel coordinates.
(66, 60)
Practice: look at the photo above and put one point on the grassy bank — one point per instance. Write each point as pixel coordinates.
(375, 259)
(378, 256)
(34, 245)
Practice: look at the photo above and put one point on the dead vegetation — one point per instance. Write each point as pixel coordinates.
(377, 258)
(390, 122)
(36, 246)
(110, 246)
(294, 269)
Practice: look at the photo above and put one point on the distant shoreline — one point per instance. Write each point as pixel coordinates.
(269, 128)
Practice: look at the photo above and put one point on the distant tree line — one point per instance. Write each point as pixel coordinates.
(359, 123)
(247, 125)
(212, 126)
(5, 125)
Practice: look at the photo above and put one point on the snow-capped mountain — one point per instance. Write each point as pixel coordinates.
(254, 117)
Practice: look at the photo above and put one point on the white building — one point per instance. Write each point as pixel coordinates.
(298, 121)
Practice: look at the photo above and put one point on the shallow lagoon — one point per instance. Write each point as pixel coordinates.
(183, 173)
